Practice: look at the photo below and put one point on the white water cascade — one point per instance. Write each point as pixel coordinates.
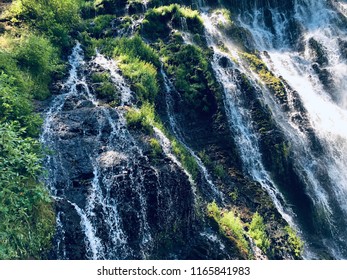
(321, 166)
(169, 91)
(240, 120)
(102, 153)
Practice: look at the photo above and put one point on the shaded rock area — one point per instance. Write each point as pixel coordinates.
(113, 201)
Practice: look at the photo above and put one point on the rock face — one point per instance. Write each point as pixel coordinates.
(112, 200)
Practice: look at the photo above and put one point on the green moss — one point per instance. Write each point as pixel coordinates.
(187, 160)
(100, 26)
(193, 77)
(220, 171)
(105, 88)
(270, 80)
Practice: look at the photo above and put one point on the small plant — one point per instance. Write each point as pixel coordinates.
(234, 195)
(220, 171)
(257, 231)
(271, 81)
(230, 225)
(294, 241)
(142, 119)
(156, 149)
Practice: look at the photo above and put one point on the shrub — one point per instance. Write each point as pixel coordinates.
(55, 18)
(100, 24)
(257, 231)
(135, 47)
(273, 83)
(142, 119)
(26, 214)
(294, 241)
(193, 76)
(156, 149)
(184, 156)
(143, 77)
(104, 88)
(156, 22)
(231, 226)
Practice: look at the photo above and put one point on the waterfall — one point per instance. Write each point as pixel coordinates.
(169, 91)
(318, 144)
(240, 121)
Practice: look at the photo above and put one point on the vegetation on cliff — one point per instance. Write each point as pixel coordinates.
(34, 41)
(34, 35)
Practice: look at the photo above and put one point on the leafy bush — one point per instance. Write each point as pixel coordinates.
(274, 83)
(142, 119)
(193, 76)
(187, 160)
(135, 47)
(15, 105)
(104, 88)
(55, 18)
(257, 231)
(27, 218)
(156, 22)
(231, 226)
(99, 25)
(38, 57)
(156, 149)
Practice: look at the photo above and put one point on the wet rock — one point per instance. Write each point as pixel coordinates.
(224, 62)
(318, 52)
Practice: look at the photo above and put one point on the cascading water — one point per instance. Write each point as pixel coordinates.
(318, 142)
(107, 194)
(170, 90)
(240, 120)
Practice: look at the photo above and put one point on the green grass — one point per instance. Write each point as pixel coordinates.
(231, 226)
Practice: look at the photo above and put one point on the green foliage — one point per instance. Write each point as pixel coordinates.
(143, 77)
(231, 226)
(257, 231)
(104, 88)
(193, 76)
(294, 241)
(137, 62)
(15, 105)
(37, 56)
(142, 119)
(156, 149)
(100, 25)
(27, 218)
(220, 171)
(157, 20)
(274, 83)
(55, 18)
(136, 48)
(187, 160)
(213, 211)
